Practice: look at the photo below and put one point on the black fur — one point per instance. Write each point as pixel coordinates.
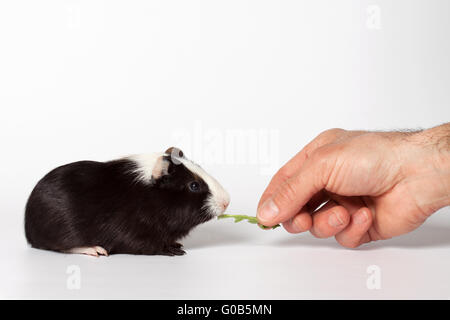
(89, 203)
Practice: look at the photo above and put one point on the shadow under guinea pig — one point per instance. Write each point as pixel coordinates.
(213, 234)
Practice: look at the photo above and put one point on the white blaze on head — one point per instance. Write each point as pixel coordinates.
(217, 202)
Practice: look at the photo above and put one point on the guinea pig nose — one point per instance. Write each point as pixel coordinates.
(225, 205)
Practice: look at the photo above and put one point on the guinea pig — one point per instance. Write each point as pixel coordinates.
(141, 204)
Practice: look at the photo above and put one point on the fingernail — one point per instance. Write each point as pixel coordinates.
(360, 217)
(296, 226)
(268, 210)
(335, 221)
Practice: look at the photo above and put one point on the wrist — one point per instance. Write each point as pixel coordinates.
(435, 148)
(426, 167)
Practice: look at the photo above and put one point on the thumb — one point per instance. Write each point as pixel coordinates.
(295, 192)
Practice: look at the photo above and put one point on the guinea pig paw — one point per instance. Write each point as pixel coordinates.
(101, 251)
(177, 245)
(91, 251)
(174, 250)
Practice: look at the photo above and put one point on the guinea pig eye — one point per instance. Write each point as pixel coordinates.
(194, 186)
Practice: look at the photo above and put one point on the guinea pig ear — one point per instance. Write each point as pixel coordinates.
(161, 167)
(175, 152)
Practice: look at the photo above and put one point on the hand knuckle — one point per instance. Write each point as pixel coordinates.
(283, 173)
(333, 132)
(322, 160)
(288, 192)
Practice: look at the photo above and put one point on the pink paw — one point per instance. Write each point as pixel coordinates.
(91, 251)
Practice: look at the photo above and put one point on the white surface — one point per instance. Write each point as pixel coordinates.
(101, 79)
(227, 261)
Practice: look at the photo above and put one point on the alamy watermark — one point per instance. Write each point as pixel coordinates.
(73, 281)
(73, 17)
(373, 20)
(373, 282)
(212, 146)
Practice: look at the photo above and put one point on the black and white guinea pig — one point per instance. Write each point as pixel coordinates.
(140, 204)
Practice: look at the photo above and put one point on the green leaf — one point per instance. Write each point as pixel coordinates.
(250, 219)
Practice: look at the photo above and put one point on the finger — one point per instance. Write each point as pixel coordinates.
(293, 165)
(296, 191)
(303, 220)
(300, 223)
(329, 220)
(357, 231)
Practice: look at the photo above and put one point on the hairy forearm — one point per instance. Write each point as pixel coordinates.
(426, 168)
(440, 136)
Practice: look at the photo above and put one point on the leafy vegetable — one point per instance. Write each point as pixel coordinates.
(240, 217)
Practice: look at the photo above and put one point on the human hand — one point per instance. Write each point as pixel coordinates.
(375, 185)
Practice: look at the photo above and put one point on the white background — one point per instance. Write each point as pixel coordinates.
(101, 79)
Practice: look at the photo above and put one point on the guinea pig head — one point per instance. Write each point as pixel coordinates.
(185, 187)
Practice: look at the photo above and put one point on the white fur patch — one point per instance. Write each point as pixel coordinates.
(150, 165)
(91, 251)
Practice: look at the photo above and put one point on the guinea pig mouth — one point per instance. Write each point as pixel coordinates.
(216, 208)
